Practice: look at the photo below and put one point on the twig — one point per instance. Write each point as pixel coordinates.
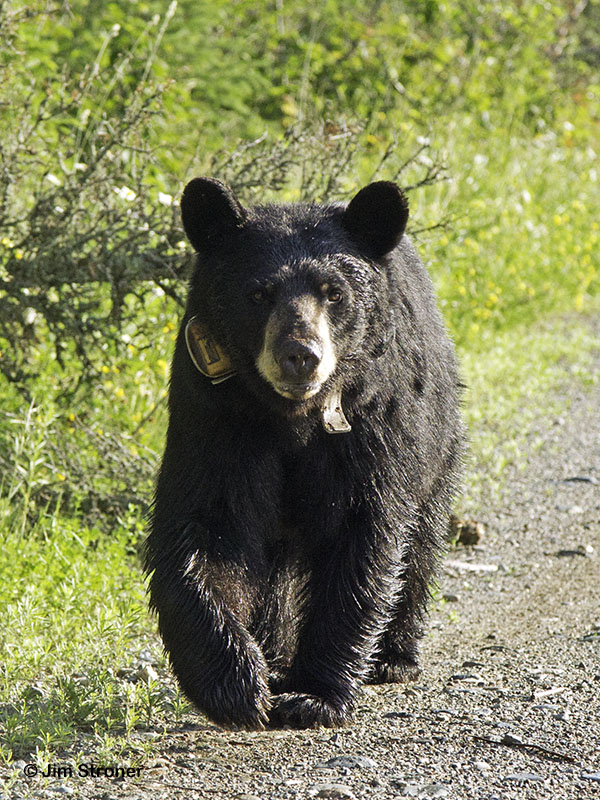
(512, 741)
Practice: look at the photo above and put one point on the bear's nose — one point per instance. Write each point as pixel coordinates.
(298, 361)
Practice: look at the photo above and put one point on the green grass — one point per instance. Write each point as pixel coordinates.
(75, 638)
(516, 388)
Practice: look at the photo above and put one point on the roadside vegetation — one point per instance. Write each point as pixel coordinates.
(488, 113)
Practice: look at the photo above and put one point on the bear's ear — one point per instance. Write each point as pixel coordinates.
(209, 209)
(376, 217)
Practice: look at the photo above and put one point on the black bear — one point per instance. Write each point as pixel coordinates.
(312, 454)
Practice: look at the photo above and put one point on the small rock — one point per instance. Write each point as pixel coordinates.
(450, 598)
(406, 789)
(523, 777)
(335, 790)
(125, 673)
(435, 790)
(465, 531)
(567, 553)
(482, 766)
(470, 566)
(468, 677)
(591, 776)
(146, 673)
(146, 655)
(348, 762)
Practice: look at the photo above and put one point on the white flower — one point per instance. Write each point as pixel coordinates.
(52, 179)
(125, 193)
(165, 199)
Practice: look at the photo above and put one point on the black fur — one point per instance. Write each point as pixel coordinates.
(289, 565)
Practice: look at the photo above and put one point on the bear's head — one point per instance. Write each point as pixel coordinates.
(292, 296)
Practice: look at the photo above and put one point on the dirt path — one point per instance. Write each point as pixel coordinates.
(509, 702)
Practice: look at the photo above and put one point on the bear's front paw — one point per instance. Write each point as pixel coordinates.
(235, 708)
(251, 713)
(396, 673)
(238, 697)
(305, 711)
(402, 670)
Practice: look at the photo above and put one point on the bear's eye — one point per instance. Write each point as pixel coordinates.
(334, 295)
(259, 296)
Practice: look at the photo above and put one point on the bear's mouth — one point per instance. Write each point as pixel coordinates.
(297, 391)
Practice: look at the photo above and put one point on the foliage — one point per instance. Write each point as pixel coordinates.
(89, 241)
(82, 237)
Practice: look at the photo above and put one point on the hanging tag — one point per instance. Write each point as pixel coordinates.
(208, 357)
(334, 419)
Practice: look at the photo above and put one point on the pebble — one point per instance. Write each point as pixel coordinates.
(335, 790)
(408, 789)
(146, 673)
(348, 762)
(450, 598)
(591, 776)
(435, 790)
(523, 777)
(470, 566)
(146, 655)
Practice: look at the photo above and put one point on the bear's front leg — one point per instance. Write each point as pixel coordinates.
(201, 613)
(355, 580)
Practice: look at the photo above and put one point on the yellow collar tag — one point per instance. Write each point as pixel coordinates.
(209, 358)
(334, 419)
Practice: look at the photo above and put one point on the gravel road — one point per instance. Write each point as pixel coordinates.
(508, 705)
